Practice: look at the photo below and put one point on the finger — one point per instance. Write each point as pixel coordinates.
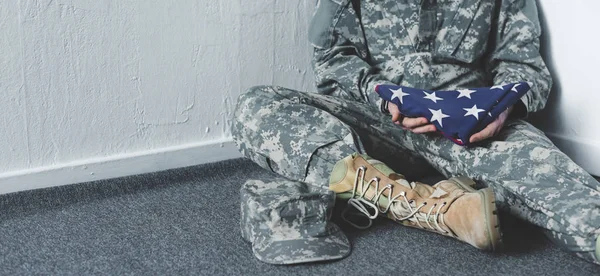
(395, 112)
(414, 122)
(424, 129)
(485, 133)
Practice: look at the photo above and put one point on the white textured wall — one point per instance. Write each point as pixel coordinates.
(572, 116)
(93, 81)
(89, 79)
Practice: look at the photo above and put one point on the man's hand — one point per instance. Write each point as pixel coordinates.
(492, 129)
(415, 125)
(422, 125)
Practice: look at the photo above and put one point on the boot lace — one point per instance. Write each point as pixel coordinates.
(402, 208)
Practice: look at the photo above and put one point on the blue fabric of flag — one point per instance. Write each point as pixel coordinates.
(457, 114)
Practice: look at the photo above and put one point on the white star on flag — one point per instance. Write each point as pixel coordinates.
(473, 111)
(514, 89)
(437, 115)
(432, 96)
(465, 93)
(398, 93)
(457, 114)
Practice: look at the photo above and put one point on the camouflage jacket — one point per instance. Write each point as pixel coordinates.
(429, 44)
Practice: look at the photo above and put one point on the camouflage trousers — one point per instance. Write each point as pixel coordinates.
(302, 135)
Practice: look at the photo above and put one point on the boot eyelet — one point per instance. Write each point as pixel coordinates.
(411, 201)
(424, 203)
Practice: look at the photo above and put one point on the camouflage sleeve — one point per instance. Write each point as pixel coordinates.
(340, 53)
(516, 56)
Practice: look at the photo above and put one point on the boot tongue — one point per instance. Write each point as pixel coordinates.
(383, 168)
(438, 193)
(423, 190)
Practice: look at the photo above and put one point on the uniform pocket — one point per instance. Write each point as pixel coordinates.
(465, 37)
(293, 131)
(291, 155)
(323, 21)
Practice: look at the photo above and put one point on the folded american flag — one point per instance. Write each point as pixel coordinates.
(457, 114)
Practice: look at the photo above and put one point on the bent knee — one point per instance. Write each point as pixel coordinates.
(248, 119)
(258, 99)
(256, 92)
(249, 108)
(252, 100)
(259, 89)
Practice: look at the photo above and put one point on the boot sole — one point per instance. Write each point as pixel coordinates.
(489, 211)
(491, 215)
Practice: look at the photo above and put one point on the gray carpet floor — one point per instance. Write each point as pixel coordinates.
(186, 221)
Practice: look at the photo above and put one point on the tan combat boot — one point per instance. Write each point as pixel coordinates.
(451, 207)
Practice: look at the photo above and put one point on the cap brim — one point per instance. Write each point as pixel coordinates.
(310, 249)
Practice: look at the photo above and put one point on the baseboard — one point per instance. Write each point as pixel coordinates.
(584, 152)
(118, 166)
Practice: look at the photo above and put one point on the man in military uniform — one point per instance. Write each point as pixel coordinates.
(321, 138)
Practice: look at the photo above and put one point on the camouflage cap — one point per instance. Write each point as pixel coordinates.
(287, 222)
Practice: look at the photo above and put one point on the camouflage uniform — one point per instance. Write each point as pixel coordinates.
(429, 44)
